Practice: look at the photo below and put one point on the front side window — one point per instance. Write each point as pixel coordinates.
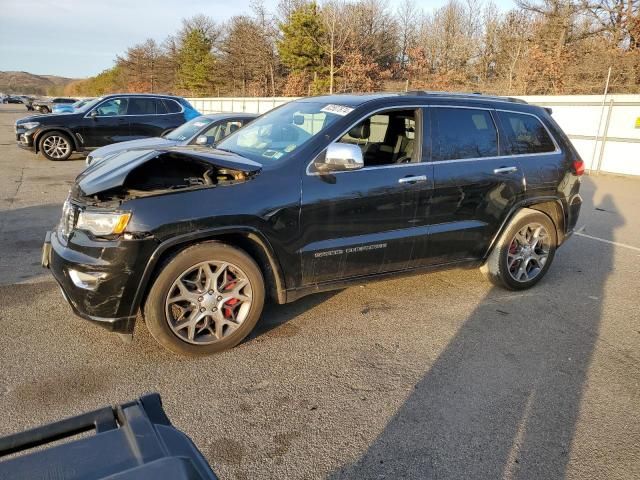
(221, 130)
(278, 133)
(460, 133)
(525, 134)
(385, 138)
(113, 107)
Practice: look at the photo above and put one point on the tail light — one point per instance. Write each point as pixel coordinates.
(578, 166)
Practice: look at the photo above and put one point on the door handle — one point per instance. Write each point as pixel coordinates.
(413, 179)
(505, 170)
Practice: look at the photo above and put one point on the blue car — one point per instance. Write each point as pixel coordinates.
(69, 108)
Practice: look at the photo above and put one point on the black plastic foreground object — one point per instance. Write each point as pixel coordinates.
(132, 441)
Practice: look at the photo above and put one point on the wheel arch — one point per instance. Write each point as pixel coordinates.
(248, 240)
(66, 131)
(550, 206)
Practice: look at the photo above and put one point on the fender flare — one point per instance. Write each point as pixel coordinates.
(250, 233)
(36, 138)
(525, 203)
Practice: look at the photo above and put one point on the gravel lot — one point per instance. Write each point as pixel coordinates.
(431, 376)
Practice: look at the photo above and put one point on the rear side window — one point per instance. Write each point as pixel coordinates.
(145, 106)
(524, 134)
(460, 133)
(172, 106)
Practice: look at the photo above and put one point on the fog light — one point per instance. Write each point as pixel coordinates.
(86, 280)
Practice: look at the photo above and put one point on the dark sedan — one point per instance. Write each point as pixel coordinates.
(110, 119)
(203, 130)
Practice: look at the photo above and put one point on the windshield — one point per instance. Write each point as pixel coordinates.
(189, 129)
(278, 133)
(87, 106)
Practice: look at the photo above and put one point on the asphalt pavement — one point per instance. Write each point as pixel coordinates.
(431, 376)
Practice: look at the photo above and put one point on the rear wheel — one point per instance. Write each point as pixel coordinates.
(206, 299)
(523, 253)
(56, 146)
(44, 110)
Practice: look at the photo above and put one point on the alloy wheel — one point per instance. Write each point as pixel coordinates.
(528, 252)
(208, 302)
(56, 146)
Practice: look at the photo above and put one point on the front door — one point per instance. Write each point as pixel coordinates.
(365, 221)
(475, 186)
(110, 124)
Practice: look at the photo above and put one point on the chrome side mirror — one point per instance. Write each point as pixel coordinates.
(202, 140)
(340, 157)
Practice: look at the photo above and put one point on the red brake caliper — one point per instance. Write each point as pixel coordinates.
(228, 306)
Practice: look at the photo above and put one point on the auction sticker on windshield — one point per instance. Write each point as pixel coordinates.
(337, 109)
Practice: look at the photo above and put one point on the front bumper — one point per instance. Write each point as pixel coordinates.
(25, 139)
(118, 263)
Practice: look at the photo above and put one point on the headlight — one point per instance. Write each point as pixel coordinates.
(103, 223)
(29, 125)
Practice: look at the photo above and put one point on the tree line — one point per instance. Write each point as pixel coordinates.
(304, 47)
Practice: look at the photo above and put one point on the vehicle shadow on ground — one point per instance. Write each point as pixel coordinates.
(22, 232)
(275, 318)
(503, 398)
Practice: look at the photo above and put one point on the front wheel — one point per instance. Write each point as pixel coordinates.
(206, 299)
(56, 146)
(524, 252)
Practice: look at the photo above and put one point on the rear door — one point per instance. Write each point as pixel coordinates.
(475, 187)
(148, 117)
(366, 221)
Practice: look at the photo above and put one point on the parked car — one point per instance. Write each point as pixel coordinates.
(13, 99)
(203, 130)
(318, 194)
(46, 106)
(105, 120)
(69, 107)
(28, 102)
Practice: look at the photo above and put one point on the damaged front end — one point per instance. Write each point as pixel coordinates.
(139, 173)
(95, 255)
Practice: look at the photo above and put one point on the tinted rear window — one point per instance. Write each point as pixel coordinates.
(460, 133)
(525, 134)
(145, 106)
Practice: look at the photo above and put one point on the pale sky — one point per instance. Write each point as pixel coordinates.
(80, 38)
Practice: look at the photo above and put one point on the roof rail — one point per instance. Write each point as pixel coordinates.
(465, 95)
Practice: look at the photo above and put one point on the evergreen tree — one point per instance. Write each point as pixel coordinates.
(195, 63)
(300, 47)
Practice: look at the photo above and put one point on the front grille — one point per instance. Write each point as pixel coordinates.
(69, 218)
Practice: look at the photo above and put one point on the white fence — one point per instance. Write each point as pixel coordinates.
(606, 134)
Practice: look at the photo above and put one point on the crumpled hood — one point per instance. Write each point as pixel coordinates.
(141, 143)
(103, 176)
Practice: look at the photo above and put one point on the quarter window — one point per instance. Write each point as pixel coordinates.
(172, 106)
(460, 133)
(525, 134)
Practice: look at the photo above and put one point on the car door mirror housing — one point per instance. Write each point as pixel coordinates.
(93, 113)
(340, 157)
(202, 140)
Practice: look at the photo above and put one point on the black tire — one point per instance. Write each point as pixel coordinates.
(496, 268)
(44, 110)
(55, 136)
(154, 308)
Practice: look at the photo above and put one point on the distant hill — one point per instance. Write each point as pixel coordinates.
(28, 83)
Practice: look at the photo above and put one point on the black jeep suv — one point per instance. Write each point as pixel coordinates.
(317, 194)
(105, 120)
